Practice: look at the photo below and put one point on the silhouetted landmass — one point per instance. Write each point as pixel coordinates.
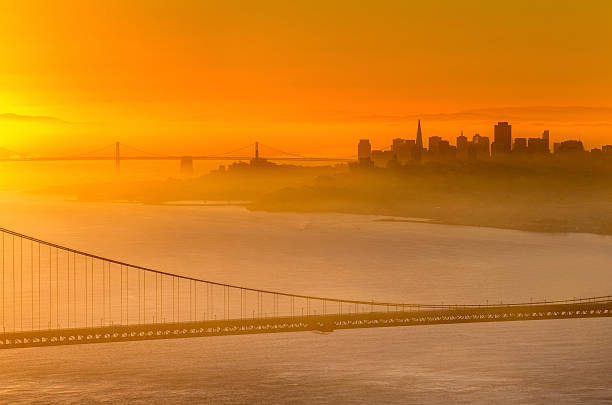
(547, 197)
(554, 198)
(241, 185)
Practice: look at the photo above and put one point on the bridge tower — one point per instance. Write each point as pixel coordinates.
(117, 156)
(256, 150)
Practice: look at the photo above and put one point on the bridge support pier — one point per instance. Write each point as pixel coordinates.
(186, 165)
(117, 156)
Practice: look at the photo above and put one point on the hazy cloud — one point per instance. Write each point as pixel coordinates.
(575, 114)
(31, 118)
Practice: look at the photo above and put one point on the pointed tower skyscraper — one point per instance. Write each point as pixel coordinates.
(419, 144)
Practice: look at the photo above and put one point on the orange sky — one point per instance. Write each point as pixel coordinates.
(309, 76)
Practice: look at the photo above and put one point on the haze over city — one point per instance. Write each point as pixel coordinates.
(305, 202)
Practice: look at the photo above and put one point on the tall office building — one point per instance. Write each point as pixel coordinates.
(503, 137)
(364, 149)
(546, 140)
(418, 152)
(463, 146)
(539, 146)
(434, 144)
(364, 152)
(403, 150)
(481, 146)
(520, 145)
(568, 147)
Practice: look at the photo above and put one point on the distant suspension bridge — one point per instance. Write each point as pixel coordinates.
(113, 152)
(55, 295)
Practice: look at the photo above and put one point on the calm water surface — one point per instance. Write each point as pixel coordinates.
(346, 256)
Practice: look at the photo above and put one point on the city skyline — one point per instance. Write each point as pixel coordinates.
(502, 146)
(507, 145)
(478, 147)
(309, 80)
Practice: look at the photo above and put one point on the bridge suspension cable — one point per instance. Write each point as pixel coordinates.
(282, 152)
(129, 147)
(93, 152)
(84, 290)
(249, 146)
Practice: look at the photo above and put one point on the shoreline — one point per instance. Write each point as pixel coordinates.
(563, 222)
(399, 218)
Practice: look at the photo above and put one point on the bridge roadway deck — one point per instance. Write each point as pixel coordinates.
(322, 323)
